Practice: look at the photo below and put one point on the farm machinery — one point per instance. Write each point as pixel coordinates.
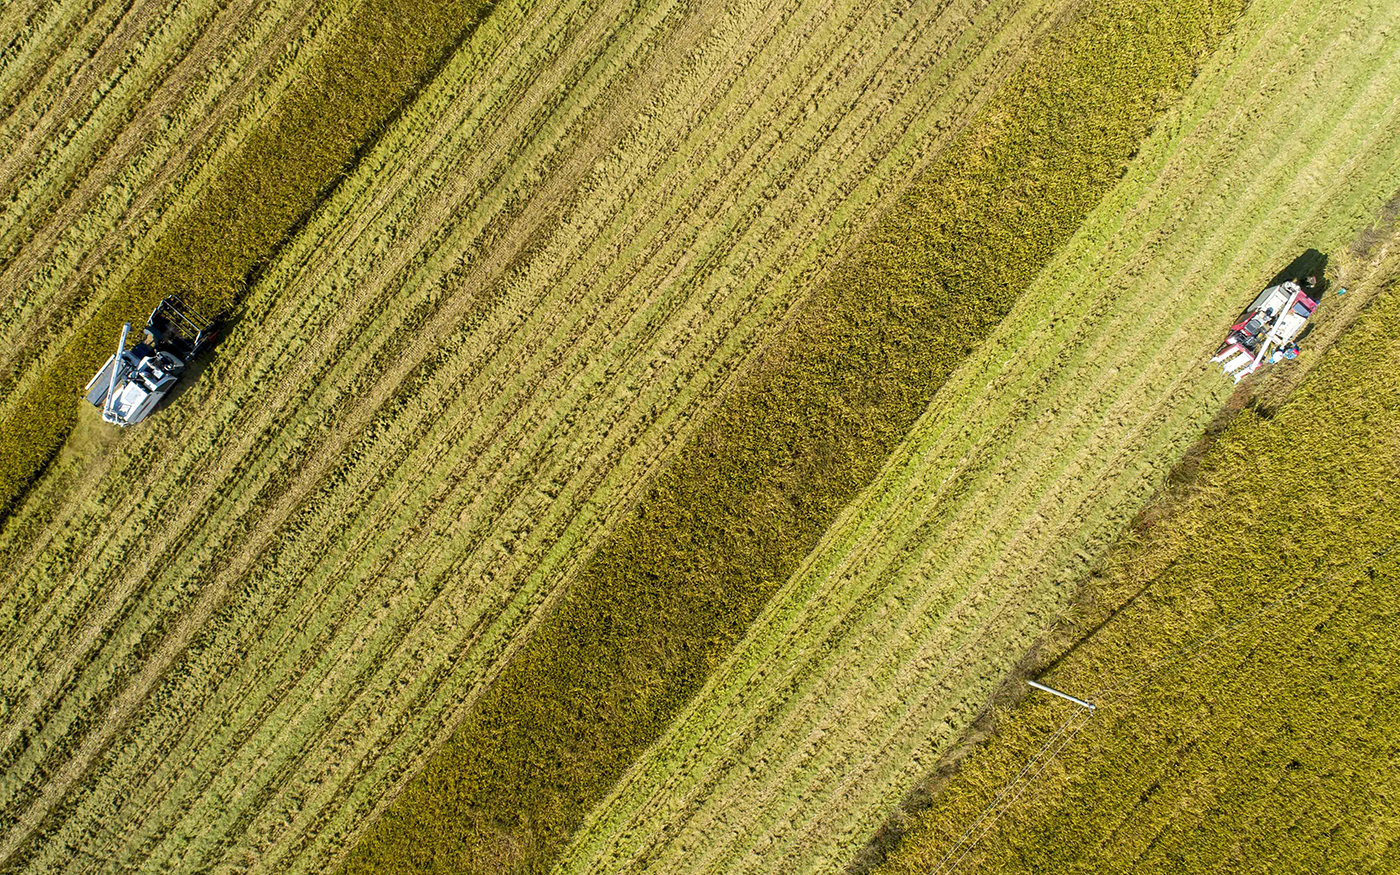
(134, 380)
(1268, 329)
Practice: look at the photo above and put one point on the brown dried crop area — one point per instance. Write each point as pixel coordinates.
(239, 627)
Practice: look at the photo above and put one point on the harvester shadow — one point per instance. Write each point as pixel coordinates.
(196, 368)
(1310, 263)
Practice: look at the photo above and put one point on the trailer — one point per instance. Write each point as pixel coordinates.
(133, 381)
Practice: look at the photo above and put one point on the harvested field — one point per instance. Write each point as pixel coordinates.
(566, 480)
(729, 520)
(876, 655)
(238, 628)
(1269, 743)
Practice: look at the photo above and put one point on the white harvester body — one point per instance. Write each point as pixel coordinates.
(133, 381)
(1266, 330)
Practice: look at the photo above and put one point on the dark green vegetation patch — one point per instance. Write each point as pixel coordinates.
(368, 72)
(675, 587)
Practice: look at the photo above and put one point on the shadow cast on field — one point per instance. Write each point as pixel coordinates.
(194, 371)
(1311, 263)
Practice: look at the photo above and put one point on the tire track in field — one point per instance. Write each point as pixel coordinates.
(17, 18)
(212, 594)
(26, 66)
(137, 21)
(116, 155)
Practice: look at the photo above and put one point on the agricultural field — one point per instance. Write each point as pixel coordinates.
(728, 520)
(1241, 647)
(877, 654)
(237, 629)
(643, 435)
(342, 77)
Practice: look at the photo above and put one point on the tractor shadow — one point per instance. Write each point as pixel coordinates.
(194, 370)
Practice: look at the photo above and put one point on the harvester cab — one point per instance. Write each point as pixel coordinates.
(1267, 329)
(134, 380)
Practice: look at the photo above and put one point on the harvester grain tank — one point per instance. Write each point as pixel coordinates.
(133, 381)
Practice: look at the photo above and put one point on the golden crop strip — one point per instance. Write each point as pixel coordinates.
(874, 657)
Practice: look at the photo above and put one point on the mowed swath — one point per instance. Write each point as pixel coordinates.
(879, 652)
(101, 150)
(245, 623)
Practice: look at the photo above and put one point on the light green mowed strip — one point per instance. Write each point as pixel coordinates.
(245, 622)
(893, 636)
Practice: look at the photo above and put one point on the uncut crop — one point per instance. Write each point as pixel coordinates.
(1243, 646)
(875, 656)
(725, 524)
(239, 628)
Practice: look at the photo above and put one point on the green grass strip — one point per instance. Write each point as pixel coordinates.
(656, 609)
(1269, 745)
(369, 70)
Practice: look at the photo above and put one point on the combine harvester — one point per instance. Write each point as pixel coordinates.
(134, 380)
(1268, 329)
